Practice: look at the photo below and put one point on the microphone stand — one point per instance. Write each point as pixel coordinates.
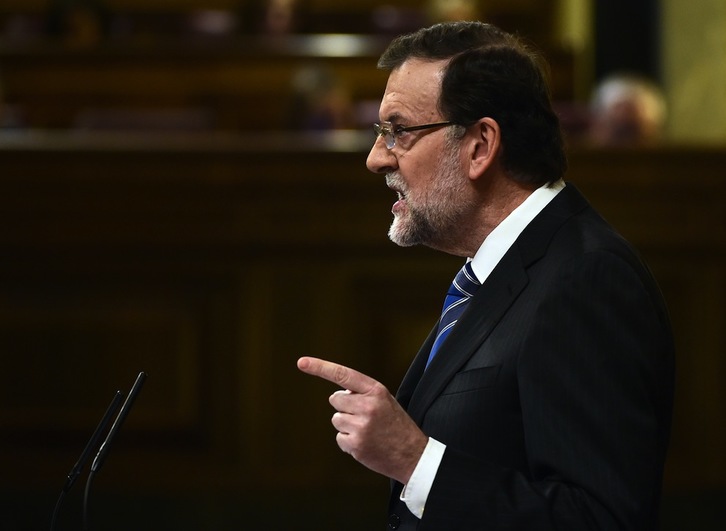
(92, 443)
(105, 447)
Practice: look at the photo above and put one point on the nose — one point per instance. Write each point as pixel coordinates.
(381, 159)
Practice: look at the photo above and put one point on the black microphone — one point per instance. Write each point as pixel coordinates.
(92, 444)
(106, 446)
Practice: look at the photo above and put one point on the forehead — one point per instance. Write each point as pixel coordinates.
(412, 91)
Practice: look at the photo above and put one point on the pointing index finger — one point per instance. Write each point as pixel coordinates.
(341, 375)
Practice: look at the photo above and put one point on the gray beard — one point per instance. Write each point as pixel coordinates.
(437, 222)
(418, 230)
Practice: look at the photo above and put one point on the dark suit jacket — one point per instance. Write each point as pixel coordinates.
(553, 393)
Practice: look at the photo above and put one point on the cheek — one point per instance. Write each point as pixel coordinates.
(420, 174)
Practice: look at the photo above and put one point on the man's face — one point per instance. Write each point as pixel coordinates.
(423, 167)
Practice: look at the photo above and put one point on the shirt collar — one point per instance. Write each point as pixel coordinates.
(504, 235)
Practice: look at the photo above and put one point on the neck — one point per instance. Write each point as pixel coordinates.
(495, 202)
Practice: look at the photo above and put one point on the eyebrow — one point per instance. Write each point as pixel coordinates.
(393, 118)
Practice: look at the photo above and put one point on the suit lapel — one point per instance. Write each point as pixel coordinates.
(415, 371)
(484, 312)
(508, 279)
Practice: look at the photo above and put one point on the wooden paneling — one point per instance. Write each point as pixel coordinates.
(242, 84)
(214, 262)
(235, 81)
(245, 84)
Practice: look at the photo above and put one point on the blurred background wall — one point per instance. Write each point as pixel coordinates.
(694, 69)
(184, 192)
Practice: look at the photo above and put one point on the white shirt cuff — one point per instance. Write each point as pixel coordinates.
(416, 491)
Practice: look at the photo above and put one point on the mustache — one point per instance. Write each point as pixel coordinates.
(394, 181)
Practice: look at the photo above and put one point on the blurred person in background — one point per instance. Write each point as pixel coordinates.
(453, 10)
(627, 110)
(320, 101)
(10, 115)
(273, 17)
(78, 23)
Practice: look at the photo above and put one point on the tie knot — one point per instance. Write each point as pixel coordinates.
(465, 284)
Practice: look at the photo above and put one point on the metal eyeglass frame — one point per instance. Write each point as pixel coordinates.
(389, 132)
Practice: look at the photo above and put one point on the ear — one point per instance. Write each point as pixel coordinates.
(485, 146)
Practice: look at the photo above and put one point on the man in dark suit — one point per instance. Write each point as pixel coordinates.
(542, 398)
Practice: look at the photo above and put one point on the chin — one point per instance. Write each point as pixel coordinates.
(403, 234)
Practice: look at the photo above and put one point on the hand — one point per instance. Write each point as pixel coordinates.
(371, 424)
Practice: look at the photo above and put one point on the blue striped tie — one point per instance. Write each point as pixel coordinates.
(461, 290)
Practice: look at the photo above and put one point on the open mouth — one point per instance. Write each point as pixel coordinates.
(395, 183)
(400, 203)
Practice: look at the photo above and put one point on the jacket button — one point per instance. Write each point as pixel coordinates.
(394, 521)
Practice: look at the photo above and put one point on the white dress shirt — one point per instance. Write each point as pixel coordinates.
(494, 247)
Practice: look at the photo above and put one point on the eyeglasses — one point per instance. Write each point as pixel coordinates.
(391, 132)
